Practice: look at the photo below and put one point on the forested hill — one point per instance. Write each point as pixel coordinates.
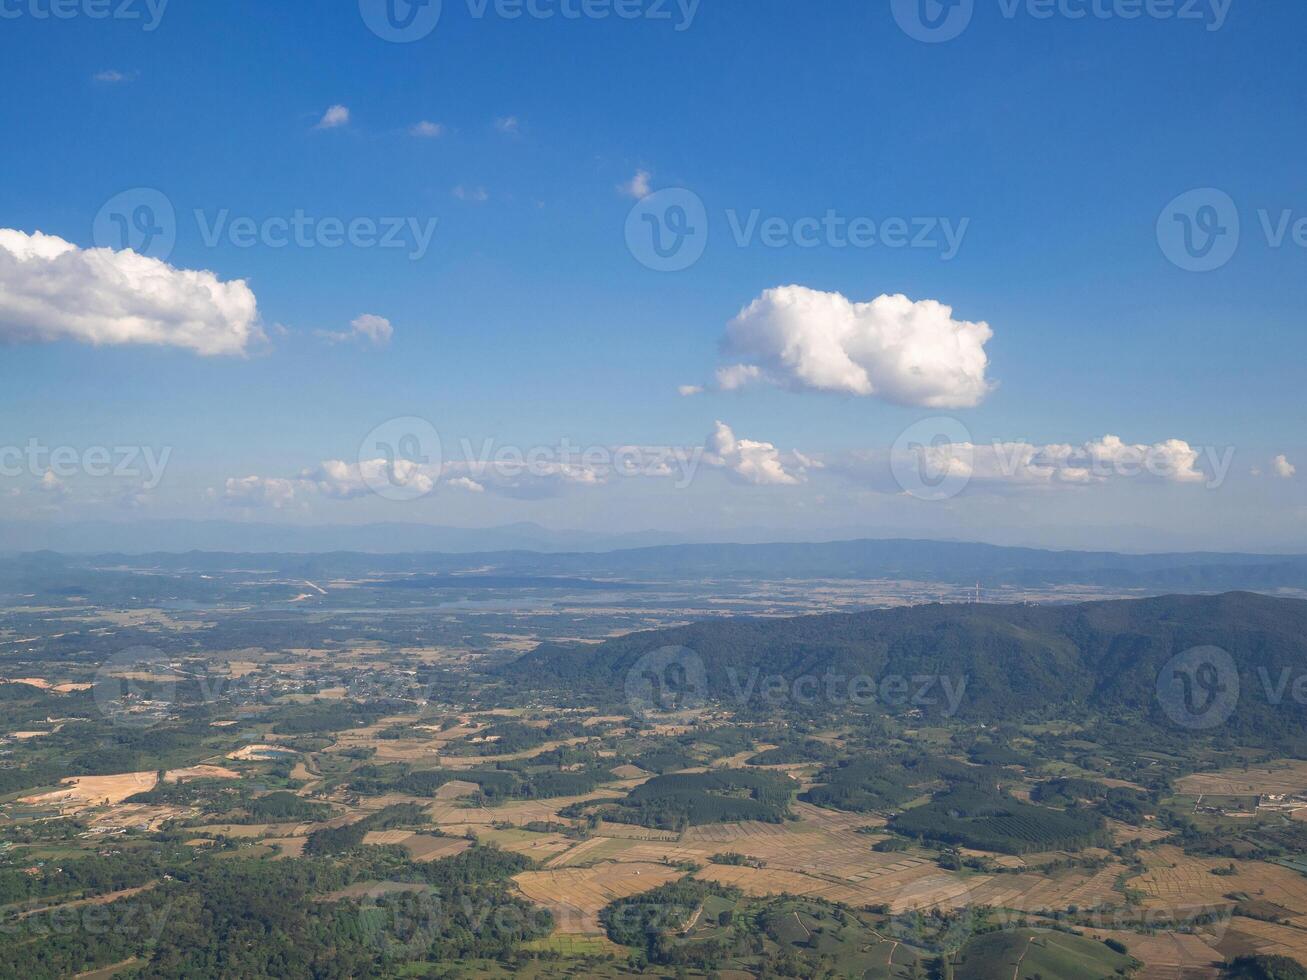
(1017, 660)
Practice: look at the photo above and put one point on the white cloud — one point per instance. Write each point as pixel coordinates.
(111, 76)
(367, 329)
(475, 194)
(345, 481)
(638, 186)
(737, 376)
(376, 329)
(260, 491)
(687, 391)
(463, 483)
(910, 353)
(508, 124)
(427, 130)
(758, 463)
(51, 484)
(1055, 464)
(335, 117)
(1283, 468)
(52, 290)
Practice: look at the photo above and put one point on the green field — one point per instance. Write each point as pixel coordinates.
(1024, 954)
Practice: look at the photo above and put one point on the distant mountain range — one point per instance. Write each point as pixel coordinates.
(1144, 659)
(956, 563)
(141, 537)
(156, 535)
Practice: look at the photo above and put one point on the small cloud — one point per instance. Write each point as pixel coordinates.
(376, 329)
(258, 491)
(1283, 468)
(368, 328)
(737, 376)
(464, 483)
(477, 195)
(53, 485)
(335, 117)
(749, 461)
(687, 391)
(112, 76)
(426, 130)
(638, 186)
(508, 125)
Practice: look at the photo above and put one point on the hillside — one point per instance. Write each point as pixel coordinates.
(1017, 660)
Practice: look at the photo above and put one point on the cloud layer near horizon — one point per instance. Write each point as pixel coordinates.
(52, 290)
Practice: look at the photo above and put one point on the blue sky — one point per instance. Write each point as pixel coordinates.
(1054, 141)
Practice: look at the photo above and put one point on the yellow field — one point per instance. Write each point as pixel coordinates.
(258, 753)
(82, 792)
(420, 847)
(291, 847)
(1283, 776)
(200, 772)
(1254, 937)
(1167, 955)
(575, 895)
(1176, 881)
(578, 945)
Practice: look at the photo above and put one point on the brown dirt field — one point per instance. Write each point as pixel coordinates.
(257, 830)
(1281, 776)
(1254, 937)
(455, 789)
(420, 847)
(634, 832)
(257, 753)
(822, 842)
(387, 836)
(136, 814)
(629, 771)
(425, 847)
(575, 895)
(57, 687)
(906, 882)
(1175, 880)
(83, 792)
(1123, 832)
(517, 812)
(108, 972)
(1167, 955)
(291, 847)
(97, 900)
(901, 884)
(200, 772)
(480, 761)
(1039, 892)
